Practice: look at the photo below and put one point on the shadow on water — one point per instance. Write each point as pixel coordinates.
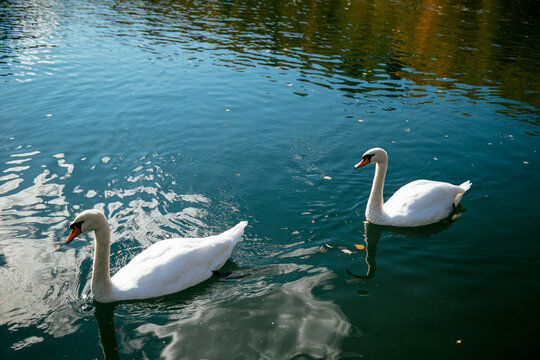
(104, 314)
(373, 233)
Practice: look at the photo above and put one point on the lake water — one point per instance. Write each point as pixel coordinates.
(181, 118)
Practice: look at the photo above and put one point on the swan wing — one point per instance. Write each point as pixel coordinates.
(169, 266)
(422, 202)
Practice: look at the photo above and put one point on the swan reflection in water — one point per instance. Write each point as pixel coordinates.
(373, 232)
(104, 314)
(224, 320)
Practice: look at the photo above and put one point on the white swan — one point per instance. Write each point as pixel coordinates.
(166, 267)
(418, 203)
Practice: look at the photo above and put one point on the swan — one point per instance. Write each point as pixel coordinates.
(166, 267)
(417, 203)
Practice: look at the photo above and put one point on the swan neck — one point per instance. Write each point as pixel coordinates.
(101, 278)
(375, 202)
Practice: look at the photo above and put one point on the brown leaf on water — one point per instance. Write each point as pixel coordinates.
(360, 246)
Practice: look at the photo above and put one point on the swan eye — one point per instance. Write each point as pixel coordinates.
(77, 225)
(368, 157)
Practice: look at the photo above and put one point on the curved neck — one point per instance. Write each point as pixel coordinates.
(101, 279)
(375, 202)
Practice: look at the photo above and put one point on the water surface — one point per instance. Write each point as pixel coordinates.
(181, 118)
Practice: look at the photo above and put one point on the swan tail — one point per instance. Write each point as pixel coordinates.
(237, 231)
(466, 185)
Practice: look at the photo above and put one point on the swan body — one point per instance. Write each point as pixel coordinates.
(417, 203)
(166, 267)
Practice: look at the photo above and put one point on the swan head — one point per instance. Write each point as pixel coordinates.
(88, 220)
(376, 155)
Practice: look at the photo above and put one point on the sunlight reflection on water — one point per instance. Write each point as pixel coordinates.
(35, 215)
(238, 327)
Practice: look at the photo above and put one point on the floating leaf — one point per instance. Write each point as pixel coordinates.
(360, 246)
(56, 246)
(327, 177)
(347, 251)
(458, 341)
(328, 246)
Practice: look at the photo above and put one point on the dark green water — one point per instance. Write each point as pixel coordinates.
(180, 118)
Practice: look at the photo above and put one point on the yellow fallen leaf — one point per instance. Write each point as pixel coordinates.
(459, 341)
(359, 246)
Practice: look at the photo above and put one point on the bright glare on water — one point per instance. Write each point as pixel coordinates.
(181, 118)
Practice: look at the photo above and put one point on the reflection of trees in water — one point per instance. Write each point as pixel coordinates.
(365, 42)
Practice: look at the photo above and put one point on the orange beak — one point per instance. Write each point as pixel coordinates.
(73, 234)
(362, 163)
